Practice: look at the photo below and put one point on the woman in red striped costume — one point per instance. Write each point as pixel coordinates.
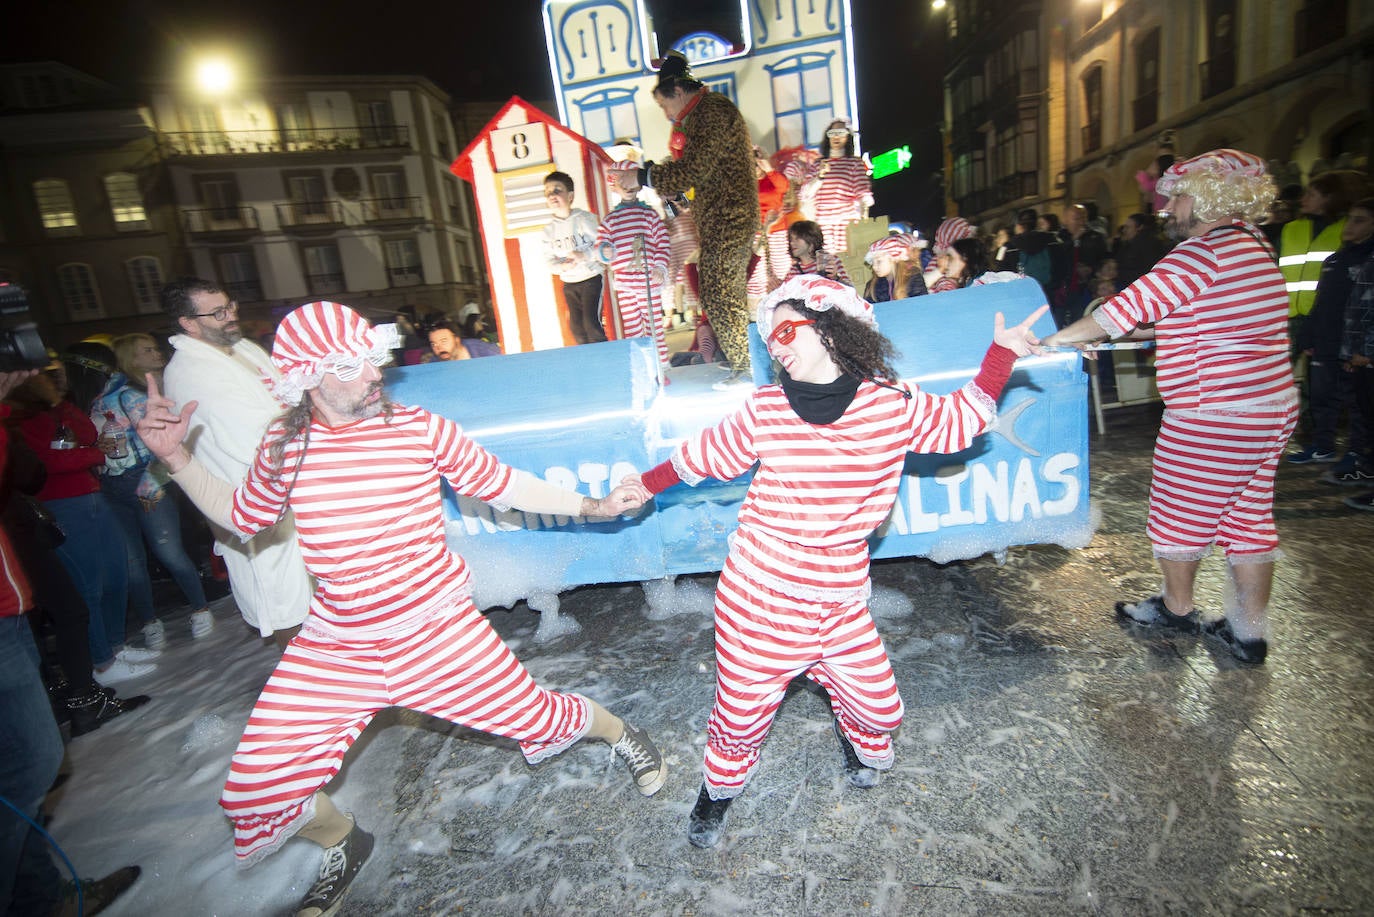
(829, 442)
(392, 622)
(1218, 309)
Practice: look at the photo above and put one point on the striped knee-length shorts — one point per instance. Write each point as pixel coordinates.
(323, 693)
(765, 638)
(1213, 482)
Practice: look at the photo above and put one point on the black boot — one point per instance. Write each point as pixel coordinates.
(858, 773)
(89, 711)
(708, 820)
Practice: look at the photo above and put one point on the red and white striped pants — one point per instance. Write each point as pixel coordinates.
(639, 315)
(1213, 482)
(323, 694)
(765, 638)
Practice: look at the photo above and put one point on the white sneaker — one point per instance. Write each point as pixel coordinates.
(202, 622)
(154, 635)
(122, 670)
(134, 654)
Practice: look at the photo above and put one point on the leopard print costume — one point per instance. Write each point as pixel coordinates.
(718, 161)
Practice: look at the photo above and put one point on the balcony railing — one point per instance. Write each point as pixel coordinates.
(1216, 76)
(220, 219)
(324, 284)
(1092, 136)
(407, 275)
(1145, 110)
(381, 209)
(293, 140)
(297, 214)
(244, 290)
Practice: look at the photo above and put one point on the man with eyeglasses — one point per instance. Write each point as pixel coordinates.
(215, 365)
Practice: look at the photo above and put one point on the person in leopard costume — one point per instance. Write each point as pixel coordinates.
(713, 154)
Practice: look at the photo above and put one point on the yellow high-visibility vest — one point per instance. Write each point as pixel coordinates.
(1300, 260)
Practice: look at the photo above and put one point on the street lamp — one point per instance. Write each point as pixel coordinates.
(214, 75)
(937, 5)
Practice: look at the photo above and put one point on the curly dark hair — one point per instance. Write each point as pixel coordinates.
(858, 349)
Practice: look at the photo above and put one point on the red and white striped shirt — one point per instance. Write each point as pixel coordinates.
(615, 240)
(821, 490)
(843, 189)
(368, 511)
(1220, 311)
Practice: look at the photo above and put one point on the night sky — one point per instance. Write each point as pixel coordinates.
(489, 54)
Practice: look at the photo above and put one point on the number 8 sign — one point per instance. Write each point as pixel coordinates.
(520, 147)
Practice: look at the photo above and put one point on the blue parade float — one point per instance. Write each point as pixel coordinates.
(586, 416)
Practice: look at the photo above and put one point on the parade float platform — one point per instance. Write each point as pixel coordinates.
(586, 416)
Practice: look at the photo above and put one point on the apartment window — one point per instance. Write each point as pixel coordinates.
(390, 189)
(1092, 109)
(126, 202)
(451, 199)
(1145, 108)
(802, 103)
(323, 269)
(79, 292)
(403, 263)
(1318, 23)
(466, 272)
(441, 137)
(1219, 70)
(238, 274)
(609, 115)
(145, 281)
(307, 194)
(219, 195)
(55, 207)
(378, 124)
(293, 120)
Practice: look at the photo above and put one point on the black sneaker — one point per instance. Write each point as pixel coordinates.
(1152, 612)
(858, 773)
(707, 821)
(87, 713)
(1250, 651)
(96, 894)
(340, 864)
(1310, 455)
(1363, 502)
(1356, 476)
(645, 762)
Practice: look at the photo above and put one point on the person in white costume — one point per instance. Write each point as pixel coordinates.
(228, 375)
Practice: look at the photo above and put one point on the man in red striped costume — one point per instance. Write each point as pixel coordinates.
(1217, 308)
(829, 442)
(392, 622)
(634, 242)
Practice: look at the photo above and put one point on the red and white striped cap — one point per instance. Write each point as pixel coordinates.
(1223, 163)
(820, 294)
(326, 337)
(895, 247)
(951, 231)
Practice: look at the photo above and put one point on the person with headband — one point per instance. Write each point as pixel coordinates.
(713, 156)
(392, 622)
(1218, 311)
(842, 190)
(829, 441)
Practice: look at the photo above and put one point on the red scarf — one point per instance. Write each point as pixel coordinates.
(677, 139)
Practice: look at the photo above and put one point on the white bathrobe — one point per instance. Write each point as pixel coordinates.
(266, 572)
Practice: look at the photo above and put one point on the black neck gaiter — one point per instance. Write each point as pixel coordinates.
(819, 403)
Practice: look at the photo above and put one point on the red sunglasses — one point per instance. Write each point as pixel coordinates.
(786, 332)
